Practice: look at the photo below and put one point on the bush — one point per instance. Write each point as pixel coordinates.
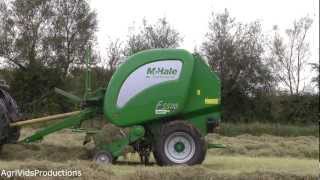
(299, 110)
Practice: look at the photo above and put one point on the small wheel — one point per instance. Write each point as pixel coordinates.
(103, 157)
(179, 143)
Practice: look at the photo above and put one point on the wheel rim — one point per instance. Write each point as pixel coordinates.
(179, 147)
(103, 159)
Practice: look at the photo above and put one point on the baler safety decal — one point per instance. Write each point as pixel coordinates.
(211, 101)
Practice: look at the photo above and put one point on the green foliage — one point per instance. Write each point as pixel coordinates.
(283, 108)
(42, 42)
(158, 35)
(100, 78)
(32, 88)
(299, 109)
(51, 33)
(71, 29)
(235, 51)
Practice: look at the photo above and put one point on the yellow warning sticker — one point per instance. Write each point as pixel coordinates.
(211, 101)
(198, 92)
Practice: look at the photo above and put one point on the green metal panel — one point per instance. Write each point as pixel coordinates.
(88, 74)
(212, 146)
(171, 95)
(204, 89)
(68, 95)
(204, 96)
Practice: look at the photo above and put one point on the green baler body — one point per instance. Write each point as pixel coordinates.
(160, 84)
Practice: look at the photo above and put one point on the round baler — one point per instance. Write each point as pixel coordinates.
(168, 100)
(171, 93)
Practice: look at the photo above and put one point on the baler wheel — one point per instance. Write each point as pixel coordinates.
(103, 157)
(179, 143)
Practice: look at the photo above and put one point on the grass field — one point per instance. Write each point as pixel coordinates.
(257, 129)
(246, 157)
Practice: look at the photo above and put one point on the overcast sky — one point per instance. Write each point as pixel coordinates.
(191, 17)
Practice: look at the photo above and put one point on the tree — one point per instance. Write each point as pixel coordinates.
(159, 35)
(22, 22)
(46, 32)
(290, 57)
(41, 40)
(71, 31)
(114, 55)
(235, 52)
(3, 28)
(316, 68)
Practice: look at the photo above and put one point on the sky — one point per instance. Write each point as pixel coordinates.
(191, 17)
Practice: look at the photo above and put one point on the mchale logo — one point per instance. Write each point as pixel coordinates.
(161, 71)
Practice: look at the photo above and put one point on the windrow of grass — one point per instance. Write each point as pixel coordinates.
(266, 146)
(214, 168)
(66, 145)
(258, 129)
(246, 157)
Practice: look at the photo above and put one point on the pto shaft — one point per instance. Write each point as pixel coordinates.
(43, 119)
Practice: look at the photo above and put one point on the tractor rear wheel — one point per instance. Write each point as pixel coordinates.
(4, 130)
(8, 113)
(179, 143)
(14, 135)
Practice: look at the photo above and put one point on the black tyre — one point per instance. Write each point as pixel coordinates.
(4, 130)
(179, 143)
(9, 113)
(103, 157)
(14, 135)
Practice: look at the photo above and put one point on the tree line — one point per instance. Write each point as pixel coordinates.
(42, 45)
